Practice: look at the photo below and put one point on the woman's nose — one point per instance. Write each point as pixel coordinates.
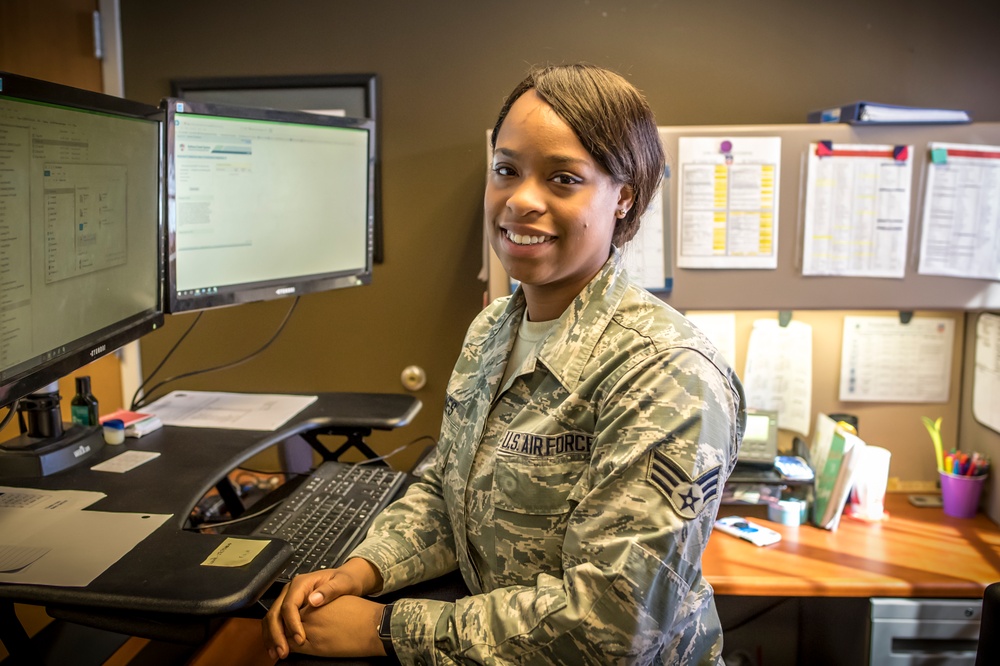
(526, 198)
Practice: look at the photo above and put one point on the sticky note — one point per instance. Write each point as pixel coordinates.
(235, 552)
(939, 155)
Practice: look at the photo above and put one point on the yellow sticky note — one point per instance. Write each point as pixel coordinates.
(235, 552)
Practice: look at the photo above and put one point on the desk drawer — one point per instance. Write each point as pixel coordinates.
(924, 632)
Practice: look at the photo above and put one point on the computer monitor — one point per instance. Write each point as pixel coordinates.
(265, 203)
(80, 231)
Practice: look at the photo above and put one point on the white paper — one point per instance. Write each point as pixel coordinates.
(857, 211)
(643, 255)
(884, 360)
(960, 235)
(728, 202)
(720, 329)
(49, 500)
(126, 461)
(986, 376)
(778, 374)
(233, 411)
(68, 548)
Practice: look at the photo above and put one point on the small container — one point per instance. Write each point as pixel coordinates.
(83, 407)
(961, 494)
(787, 512)
(114, 431)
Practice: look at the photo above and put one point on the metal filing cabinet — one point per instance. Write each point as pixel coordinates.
(924, 632)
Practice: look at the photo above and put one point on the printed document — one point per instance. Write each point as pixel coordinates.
(857, 210)
(233, 411)
(960, 235)
(69, 548)
(728, 202)
(986, 376)
(778, 374)
(643, 256)
(884, 360)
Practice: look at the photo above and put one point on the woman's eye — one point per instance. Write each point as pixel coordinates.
(565, 179)
(502, 170)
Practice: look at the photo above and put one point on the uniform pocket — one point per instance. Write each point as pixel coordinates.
(532, 505)
(529, 486)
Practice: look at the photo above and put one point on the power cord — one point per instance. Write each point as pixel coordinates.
(135, 396)
(396, 450)
(225, 366)
(11, 411)
(245, 517)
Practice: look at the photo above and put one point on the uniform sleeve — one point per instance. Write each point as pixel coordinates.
(631, 585)
(412, 539)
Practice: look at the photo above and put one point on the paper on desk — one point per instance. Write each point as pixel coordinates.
(778, 373)
(78, 545)
(50, 500)
(233, 411)
(884, 360)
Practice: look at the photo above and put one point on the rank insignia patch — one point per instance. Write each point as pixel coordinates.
(686, 495)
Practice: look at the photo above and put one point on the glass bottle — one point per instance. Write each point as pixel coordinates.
(83, 407)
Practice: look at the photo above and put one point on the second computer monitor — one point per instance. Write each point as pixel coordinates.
(263, 203)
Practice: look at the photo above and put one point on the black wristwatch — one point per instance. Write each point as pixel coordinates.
(385, 633)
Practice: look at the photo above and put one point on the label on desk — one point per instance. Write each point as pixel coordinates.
(235, 552)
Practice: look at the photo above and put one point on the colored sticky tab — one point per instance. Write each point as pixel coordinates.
(939, 155)
(235, 552)
(901, 153)
(824, 148)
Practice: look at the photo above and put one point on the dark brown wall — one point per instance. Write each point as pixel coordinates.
(445, 66)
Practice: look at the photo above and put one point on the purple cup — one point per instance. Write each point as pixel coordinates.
(960, 494)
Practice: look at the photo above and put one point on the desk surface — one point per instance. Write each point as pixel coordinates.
(915, 553)
(164, 573)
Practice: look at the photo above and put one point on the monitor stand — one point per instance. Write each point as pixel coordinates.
(27, 456)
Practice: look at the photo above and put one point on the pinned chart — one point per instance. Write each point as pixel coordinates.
(960, 235)
(728, 202)
(857, 210)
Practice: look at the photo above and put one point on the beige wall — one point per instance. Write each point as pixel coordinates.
(445, 66)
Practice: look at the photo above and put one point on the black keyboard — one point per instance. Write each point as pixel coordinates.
(330, 513)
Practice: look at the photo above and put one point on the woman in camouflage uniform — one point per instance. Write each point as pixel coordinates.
(587, 433)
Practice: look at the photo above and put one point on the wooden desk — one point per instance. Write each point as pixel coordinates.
(915, 553)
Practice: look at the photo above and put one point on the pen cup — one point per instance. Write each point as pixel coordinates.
(960, 494)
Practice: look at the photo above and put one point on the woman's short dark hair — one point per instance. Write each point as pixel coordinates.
(613, 122)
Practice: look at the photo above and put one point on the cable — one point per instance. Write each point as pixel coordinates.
(224, 366)
(11, 410)
(135, 396)
(396, 450)
(243, 518)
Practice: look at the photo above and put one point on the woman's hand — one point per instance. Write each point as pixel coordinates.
(356, 577)
(345, 627)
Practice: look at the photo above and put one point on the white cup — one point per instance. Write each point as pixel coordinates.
(871, 477)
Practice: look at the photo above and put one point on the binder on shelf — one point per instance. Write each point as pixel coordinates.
(864, 113)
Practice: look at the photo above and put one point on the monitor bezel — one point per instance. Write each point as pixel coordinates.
(268, 289)
(90, 347)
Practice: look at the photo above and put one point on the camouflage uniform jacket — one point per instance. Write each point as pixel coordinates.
(576, 500)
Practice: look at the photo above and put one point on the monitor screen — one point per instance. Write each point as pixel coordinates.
(80, 229)
(263, 203)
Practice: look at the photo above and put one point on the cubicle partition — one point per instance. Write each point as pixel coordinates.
(824, 300)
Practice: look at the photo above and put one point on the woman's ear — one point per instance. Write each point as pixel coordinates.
(626, 198)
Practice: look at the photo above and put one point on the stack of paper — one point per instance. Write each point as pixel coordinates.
(834, 452)
(137, 424)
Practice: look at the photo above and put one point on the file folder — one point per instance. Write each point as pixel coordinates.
(864, 113)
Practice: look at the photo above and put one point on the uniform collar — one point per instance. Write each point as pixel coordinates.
(570, 344)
